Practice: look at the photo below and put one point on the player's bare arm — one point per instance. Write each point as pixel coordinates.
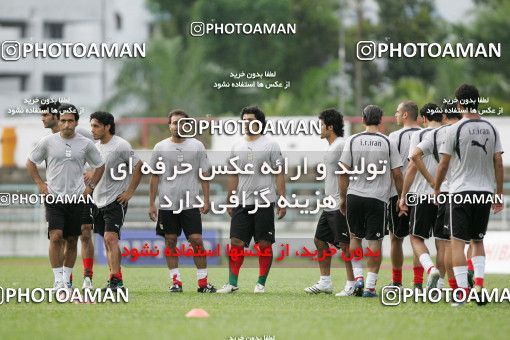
(344, 184)
(408, 181)
(398, 179)
(153, 191)
(205, 190)
(98, 173)
(417, 159)
(442, 168)
(499, 174)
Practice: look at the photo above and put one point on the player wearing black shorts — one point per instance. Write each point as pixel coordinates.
(65, 154)
(398, 226)
(178, 206)
(112, 193)
(423, 212)
(50, 119)
(429, 147)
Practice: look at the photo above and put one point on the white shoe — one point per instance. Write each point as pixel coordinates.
(319, 288)
(87, 283)
(60, 287)
(432, 278)
(227, 289)
(259, 288)
(347, 291)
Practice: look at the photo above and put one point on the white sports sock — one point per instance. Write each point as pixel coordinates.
(371, 280)
(426, 262)
(461, 276)
(479, 266)
(201, 273)
(67, 274)
(440, 283)
(58, 273)
(175, 272)
(357, 269)
(349, 284)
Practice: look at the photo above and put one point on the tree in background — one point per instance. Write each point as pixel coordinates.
(491, 75)
(405, 22)
(169, 76)
(298, 58)
(180, 70)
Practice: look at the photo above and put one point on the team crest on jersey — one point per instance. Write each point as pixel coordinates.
(481, 146)
(68, 150)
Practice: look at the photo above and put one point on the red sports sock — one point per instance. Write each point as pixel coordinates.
(470, 265)
(467, 291)
(479, 281)
(88, 264)
(418, 274)
(175, 281)
(453, 283)
(235, 263)
(397, 275)
(120, 272)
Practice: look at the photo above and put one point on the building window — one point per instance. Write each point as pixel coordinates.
(53, 83)
(53, 30)
(152, 30)
(13, 82)
(20, 26)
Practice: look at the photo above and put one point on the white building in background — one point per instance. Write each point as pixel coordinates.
(85, 82)
(295, 147)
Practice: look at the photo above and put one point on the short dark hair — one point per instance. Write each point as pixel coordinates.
(51, 107)
(429, 111)
(176, 113)
(372, 115)
(104, 118)
(332, 117)
(259, 115)
(68, 108)
(469, 93)
(410, 107)
(451, 111)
